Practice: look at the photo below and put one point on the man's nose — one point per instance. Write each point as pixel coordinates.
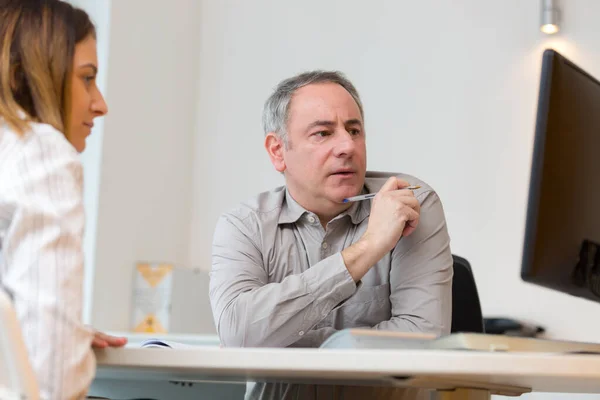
(344, 143)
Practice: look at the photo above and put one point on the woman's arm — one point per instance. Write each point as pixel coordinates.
(42, 261)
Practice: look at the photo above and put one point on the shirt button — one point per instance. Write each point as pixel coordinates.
(301, 333)
(311, 219)
(324, 245)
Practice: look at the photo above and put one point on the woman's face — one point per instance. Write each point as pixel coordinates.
(87, 102)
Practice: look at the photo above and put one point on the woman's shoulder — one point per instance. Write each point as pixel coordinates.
(40, 152)
(39, 139)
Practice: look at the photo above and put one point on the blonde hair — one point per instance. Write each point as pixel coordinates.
(37, 44)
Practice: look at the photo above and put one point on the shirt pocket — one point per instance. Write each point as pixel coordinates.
(365, 308)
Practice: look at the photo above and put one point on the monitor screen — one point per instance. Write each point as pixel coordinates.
(562, 236)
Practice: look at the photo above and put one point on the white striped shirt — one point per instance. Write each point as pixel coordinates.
(41, 255)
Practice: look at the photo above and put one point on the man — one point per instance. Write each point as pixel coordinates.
(294, 265)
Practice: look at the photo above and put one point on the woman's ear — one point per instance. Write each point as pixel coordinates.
(15, 75)
(14, 86)
(276, 149)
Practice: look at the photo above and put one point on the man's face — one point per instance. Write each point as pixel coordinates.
(325, 160)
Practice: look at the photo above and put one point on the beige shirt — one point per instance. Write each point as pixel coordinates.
(278, 278)
(41, 256)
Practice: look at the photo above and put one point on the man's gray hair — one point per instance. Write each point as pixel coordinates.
(277, 106)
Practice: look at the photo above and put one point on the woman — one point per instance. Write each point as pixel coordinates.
(48, 102)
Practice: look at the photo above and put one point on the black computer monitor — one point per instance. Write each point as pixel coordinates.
(562, 235)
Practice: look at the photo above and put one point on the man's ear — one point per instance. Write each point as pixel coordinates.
(275, 149)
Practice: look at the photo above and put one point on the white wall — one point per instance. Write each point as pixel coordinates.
(92, 157)
(450, 91)
(145, 192)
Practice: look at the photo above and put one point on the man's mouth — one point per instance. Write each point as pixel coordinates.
(344, 173)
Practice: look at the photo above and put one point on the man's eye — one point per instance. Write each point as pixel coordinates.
(354, 132)
(322, 133)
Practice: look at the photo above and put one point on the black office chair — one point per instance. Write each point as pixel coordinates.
(466, 309)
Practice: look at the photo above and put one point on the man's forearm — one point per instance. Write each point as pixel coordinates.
(360, 257)
(280, 314)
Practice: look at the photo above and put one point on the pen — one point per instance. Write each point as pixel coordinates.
(371, 195)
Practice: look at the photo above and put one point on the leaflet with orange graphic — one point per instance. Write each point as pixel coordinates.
(152, 297)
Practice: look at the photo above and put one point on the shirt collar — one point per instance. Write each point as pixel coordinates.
(291, 211)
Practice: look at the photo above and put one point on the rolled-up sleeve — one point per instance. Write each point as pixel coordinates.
(421, 275)
(251, 312)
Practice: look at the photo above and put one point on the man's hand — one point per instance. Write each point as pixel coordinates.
(394, 213)
(102, 340)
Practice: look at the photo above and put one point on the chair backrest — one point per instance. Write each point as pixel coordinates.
(466, 309)
(17, 379)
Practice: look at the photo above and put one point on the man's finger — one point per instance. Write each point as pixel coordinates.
(390, 184)
(402, 183)
(411, 226)
(406, 197)
(411, 215)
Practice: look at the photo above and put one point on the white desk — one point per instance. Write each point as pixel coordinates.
(476, 374)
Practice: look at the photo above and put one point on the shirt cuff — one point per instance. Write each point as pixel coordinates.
(331, 280)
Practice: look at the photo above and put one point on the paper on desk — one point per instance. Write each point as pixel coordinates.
(165, 344)
(361, 338)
